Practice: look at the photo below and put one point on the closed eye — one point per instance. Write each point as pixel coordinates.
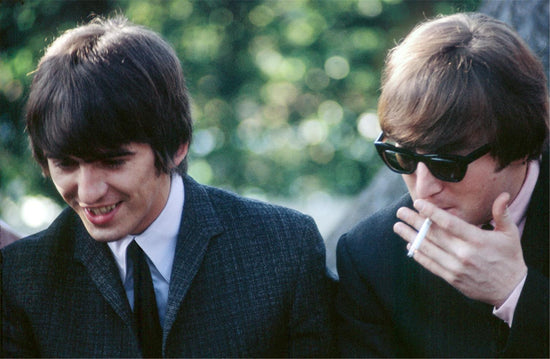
(65, 164)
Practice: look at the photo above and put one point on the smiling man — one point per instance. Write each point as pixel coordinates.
(146, 261)
(117, 194)
(464, 118)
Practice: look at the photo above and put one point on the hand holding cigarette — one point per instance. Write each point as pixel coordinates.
(483, 265)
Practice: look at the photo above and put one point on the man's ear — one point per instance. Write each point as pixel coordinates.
(181, 153)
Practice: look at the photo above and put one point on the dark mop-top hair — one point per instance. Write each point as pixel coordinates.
(107, 84)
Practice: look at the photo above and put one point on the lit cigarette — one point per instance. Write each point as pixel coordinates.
(420, 237)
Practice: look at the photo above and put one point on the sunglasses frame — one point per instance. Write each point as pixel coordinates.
(430, 159)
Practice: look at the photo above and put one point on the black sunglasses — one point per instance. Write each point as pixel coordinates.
(450, 168)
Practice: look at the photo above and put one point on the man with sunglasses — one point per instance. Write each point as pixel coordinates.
(464, 118)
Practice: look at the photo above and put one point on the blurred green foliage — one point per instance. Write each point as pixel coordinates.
(284, 92)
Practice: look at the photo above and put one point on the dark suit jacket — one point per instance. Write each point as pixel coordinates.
(388, 305)
(248, 281)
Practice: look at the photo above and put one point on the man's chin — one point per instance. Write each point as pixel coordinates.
(103, 234)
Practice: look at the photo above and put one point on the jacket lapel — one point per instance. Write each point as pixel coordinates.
(101, 267)
(199, 224)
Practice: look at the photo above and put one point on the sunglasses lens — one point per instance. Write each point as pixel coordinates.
(399, 162)
(447, 170)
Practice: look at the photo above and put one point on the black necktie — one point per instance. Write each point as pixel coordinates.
(145, 305)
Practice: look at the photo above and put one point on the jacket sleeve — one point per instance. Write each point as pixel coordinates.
(311, 322)
(529, 333)
(16, 338)
(363, 328)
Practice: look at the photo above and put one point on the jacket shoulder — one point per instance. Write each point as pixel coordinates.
(376, 228)
(232, 207)
(40, 247)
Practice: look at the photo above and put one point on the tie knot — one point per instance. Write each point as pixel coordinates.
(138, 258)
(134, 251)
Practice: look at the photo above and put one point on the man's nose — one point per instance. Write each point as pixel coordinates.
(91, 184)
(426, 184)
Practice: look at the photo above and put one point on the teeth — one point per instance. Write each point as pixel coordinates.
(102, 210)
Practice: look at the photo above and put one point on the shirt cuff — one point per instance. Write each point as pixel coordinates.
(507, 309)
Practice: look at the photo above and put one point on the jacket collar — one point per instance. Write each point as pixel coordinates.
(199, 224)
(101, 266)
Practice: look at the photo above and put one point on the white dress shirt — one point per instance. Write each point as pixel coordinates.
(158, 242)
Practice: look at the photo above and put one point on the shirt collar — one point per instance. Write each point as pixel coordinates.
(518, 208)
(159, 240)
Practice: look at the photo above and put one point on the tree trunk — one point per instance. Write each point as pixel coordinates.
(529, 17)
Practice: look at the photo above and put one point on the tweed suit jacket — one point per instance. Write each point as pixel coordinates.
(248, 280)
(389, 305)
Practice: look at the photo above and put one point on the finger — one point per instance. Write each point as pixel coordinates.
(404, 231)
(436, 260)
(445, 266)
(409, 233)
(410, 217)
(432, 256)
(435, 237)
(451, 224)
(503, 221)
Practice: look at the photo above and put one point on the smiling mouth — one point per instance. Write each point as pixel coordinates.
(101, 210)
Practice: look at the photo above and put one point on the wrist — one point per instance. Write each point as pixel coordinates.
(506, 310)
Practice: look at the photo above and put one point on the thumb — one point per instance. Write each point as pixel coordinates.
(502, 219)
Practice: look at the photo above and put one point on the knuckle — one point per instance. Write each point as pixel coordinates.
(465, 261)
(454, 278)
